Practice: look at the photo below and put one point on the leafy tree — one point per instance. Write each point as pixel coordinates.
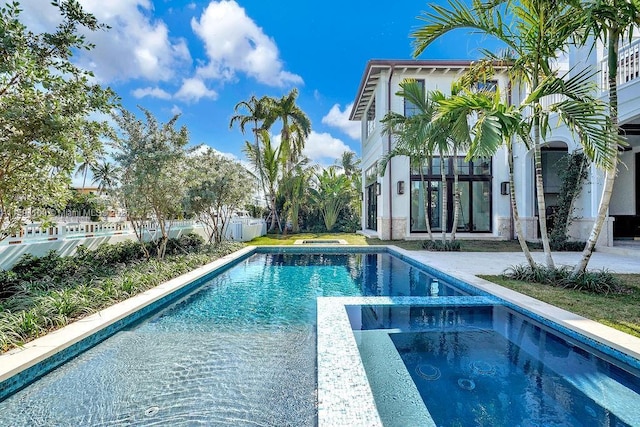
(152, 157)
(217, 187)
(333, 192)
(534, 31)
(45, 102)
(349, 163)
(609, 20)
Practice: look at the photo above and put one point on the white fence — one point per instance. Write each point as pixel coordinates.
(239, 229)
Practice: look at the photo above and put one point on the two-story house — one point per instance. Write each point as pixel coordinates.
(394, 204)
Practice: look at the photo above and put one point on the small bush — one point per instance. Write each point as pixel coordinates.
(599, 282)
(440, 246)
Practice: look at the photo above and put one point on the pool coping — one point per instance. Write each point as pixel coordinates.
(336, 342)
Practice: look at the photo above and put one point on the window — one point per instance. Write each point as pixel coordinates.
(474, 187)
(410, 109)
(486, 86)
(371, 118)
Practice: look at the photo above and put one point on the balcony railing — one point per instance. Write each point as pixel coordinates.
(628, 65)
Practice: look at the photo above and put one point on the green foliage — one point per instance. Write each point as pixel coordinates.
(572, 171)
(333, 193)
(442, 246)
(84, 205)
(152, 159)
(50, 292)
(45, 102)
(216, 188)
(600, 282)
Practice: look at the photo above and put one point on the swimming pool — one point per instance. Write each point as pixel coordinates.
(241, 349)
(247, 346)
(488, 365)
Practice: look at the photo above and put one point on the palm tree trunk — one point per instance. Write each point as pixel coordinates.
(516, 217)
(445, 211)
(542, 214)
(456, 197)
(610, 175)
(427, 204)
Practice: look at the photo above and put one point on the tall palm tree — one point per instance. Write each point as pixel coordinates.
(255, 112)
(90, 158)
(105, 174)
(348, 162)
(415, 136)
(267, 164)
(497, 123)
(296, 125)
(609, 20)
(534, 31)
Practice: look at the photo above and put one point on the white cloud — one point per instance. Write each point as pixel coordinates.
(176, 110)
(153, 92)
(193, 89)
(234, 43)
(340, 119)
(136, 45)
(322, 147)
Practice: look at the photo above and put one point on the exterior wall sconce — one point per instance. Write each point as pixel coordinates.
(504, 188)
(400, 187)
(378, 189)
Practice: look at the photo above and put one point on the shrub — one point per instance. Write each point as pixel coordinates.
(440, 246)
(600, 282)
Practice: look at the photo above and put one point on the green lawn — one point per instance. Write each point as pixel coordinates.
(620, 311)
(411, 245)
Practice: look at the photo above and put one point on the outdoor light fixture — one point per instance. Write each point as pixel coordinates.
(378, 188)
(400, 187)
(504, 188)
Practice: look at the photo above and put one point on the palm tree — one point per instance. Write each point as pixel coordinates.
(267, 164)
(296, 125)
(534, 31)
(414, 135)
(349, 164)
(608, 20)
(333, 193)
(105, 174)
(295, 185)
(255, 113)
(90, 160)
(497, 123)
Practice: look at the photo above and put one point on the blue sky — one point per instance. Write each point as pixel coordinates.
(200, 58)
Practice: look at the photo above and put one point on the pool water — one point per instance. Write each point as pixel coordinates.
(490, 366)
(239, 351)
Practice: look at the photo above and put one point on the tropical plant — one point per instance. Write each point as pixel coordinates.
(265, 159)
(217, 188)
(255, 113)
(105, 174)
(610, 21)
(296, 125)
(534, 31)
(496, 124)
(295, 184)
(333, 192)
(417, 137)
(349, 164)
(151, 156)
(46, 101)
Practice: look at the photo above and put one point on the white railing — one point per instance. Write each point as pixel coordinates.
(239, 229)
(628, 65)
